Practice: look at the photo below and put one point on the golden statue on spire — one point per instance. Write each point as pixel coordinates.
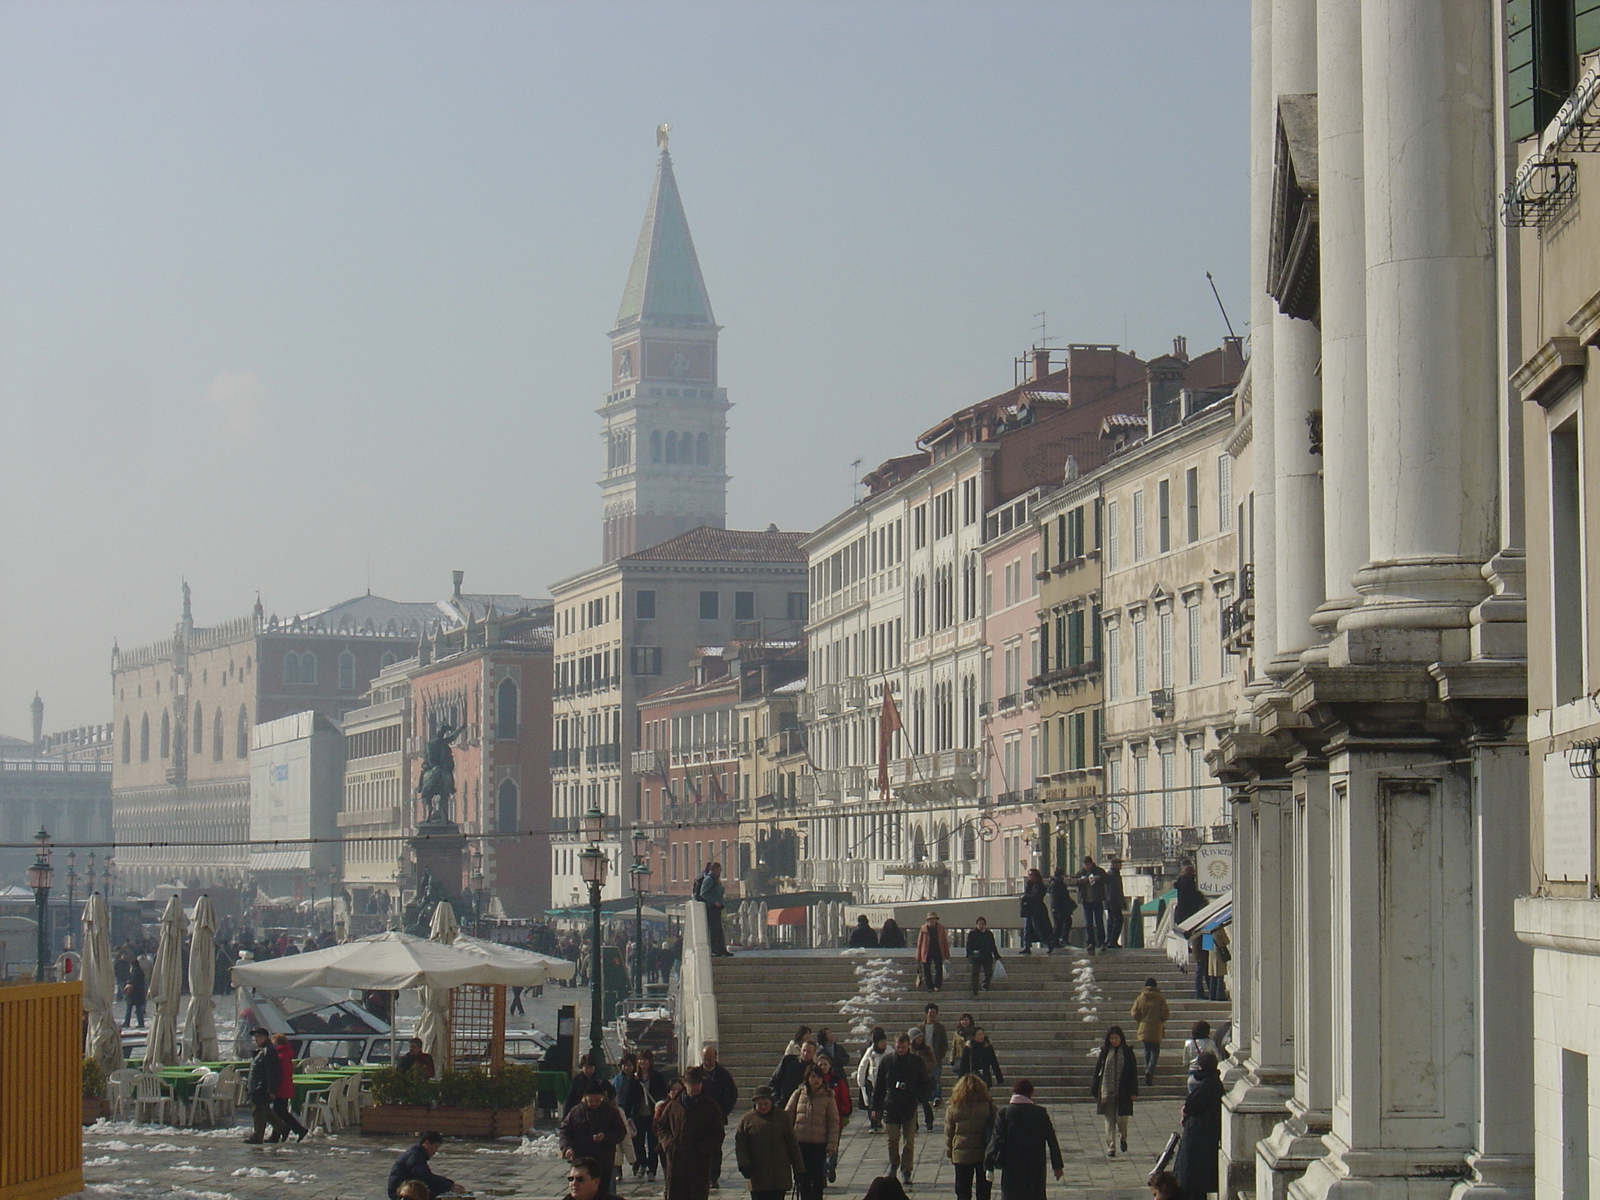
(661, 135)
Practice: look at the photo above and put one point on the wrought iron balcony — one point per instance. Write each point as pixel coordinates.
(1162, 703)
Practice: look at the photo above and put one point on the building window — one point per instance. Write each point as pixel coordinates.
(127, 741)
(1113, 663)
(796, 606)
(1197, 780)
(347, 671)
(241, 740)
(672, 447)
(1138, 656)
(1225, 494)
(1163, 516)
(1164, 629)
(388, 660)
(506, 807)
(199, 734)
(702, 450)
(1191, 490)
(291, 667)
(216, 736)
(655, 445)
(144, 738)
(1113, 537)
(1169, 778)
(644, 605)
(1138, 526)
(646, 660)
(1545, 42)
(505, 710)
(308, 667)
(919, 527)
(1575, 1118)
(744, 606)
(1192, 613)
(710, 609)
(1567, 561)
(1141, 787)
(166, 734)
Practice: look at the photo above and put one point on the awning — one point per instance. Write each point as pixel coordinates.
(1218, 912)
(389, 961)
(786, 916)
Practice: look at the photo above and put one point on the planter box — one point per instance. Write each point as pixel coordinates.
(452, 1122)
(95, 1107)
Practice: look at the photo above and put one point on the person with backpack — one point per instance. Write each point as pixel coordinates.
(708, 890)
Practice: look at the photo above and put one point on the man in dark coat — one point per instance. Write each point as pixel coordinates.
(1196, 1164)
(1116, 905)
(413, 1164)
(594, 1129)
(261, 1087)
(902, 1079)
(982, 953)
(1091, 881)
(691, 1139)
(1022, 1133)
(1036, 913)
(863, 936)
(721, 1088)
(1062, 905)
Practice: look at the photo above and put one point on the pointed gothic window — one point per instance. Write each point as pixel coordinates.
(308, 667)
(199, 731)
(702, 450)
(127, 741)
(144, 738)
(241, 742)
(216, 736)
(655, 445)
(505, 715)
(291, 667)
(347, 671)
(672, 447)
(166, 734)
(506, 814)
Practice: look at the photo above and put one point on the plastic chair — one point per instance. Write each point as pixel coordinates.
(151, 1092)
(213, 1101)
(119, 1090)
(322, 1107)
(312, 1065)
(350, 1114)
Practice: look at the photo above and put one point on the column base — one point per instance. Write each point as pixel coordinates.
(1497, 1177)
(1343, 1173)
(1285, 1154)
(1255, 1103)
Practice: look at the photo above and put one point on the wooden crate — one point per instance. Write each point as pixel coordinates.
(41, 1090)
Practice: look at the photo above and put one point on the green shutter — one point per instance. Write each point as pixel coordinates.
(1519, 67)
(1586, 27)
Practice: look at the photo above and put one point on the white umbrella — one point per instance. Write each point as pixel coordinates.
(516, 956)
(166, 988)
(200, 1023)
(103, 1041)
(386, 961)
(434, 1027)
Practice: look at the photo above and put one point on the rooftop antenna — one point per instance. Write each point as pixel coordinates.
(855, 478)
(1044, 334)
(1225, 320)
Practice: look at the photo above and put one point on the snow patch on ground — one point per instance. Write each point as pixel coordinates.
(545, 1145)
(289, 1177)
(105, 1160)
(879, 984)
(1086, 990)
(108, 1128)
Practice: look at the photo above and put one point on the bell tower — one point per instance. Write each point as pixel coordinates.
(664, 420)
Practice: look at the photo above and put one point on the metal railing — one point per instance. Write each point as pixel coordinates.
(1162, 703)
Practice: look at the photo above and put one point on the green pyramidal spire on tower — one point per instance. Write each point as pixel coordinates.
(664, 283)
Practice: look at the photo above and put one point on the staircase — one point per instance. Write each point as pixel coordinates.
(1033, 1017)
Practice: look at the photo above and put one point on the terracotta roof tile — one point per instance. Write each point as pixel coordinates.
(709, 544)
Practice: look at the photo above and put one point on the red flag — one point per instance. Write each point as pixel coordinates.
(888, 725)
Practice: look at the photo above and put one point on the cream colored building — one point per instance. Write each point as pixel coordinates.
(1553, 269)
(378, 799)
(1169, 572)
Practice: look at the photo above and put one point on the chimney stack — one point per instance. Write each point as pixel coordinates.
(1041, 364)
(455, 579)
(1180, 348)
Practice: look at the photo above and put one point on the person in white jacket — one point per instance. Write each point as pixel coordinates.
(867, 1073)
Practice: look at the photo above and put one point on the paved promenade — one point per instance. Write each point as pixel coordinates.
(142, 1163)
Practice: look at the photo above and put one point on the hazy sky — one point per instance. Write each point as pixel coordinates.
(294, 297)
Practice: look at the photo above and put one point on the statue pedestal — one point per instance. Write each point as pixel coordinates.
(441, 850)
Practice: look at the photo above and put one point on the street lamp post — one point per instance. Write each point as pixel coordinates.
(72, 894)
(39, 877)
(477, 891)
(595, 866)
(639, 875)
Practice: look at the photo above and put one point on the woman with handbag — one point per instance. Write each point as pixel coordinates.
(968, 1121)
(816, 1128)
(1115, 1088)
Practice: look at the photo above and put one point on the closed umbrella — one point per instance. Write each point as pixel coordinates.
(102, 1042)
(434, 1027)
(166, 988)
(200, 1023)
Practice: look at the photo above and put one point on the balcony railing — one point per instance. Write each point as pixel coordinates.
(1008, 799)
(943, 774)
(704, 813)
(560, 760)
(985, 708)
(1247, 581)
(606, 754)
(647, 762)
(855, 692)
(1010, 701)
(826, 699)
(1161, 702)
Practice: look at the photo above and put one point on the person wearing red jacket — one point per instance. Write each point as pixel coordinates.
(285, 1092)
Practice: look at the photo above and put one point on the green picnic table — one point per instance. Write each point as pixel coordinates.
(304, 1084)
(182, 1081)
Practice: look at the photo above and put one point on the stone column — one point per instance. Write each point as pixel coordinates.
(1433, 397)
(1263, 127)
(1255, 1102)
(1296, 390)
(1297, 1140)
(1341, 211)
